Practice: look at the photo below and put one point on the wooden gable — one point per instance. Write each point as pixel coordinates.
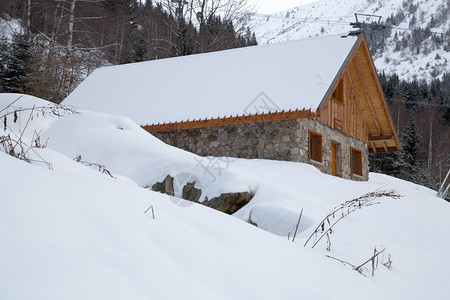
(355, 103)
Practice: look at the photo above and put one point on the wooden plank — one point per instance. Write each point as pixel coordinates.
(271, 117)
(379, 149)
(374, 115)
(381, 138)
(372, 148)
(356, 97)
(365, 49)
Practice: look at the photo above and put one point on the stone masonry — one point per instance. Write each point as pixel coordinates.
(278, 140)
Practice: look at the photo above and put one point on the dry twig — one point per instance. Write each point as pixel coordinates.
(153, 212)
(325, 228)
(101, 168)
(296, 227)
(359, 269)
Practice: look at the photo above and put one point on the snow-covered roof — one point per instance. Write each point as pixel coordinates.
(279, 77)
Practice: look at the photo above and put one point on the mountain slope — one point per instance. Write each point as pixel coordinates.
(409, 46)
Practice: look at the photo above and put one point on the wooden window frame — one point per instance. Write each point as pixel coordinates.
(315, 140)
(356, 161)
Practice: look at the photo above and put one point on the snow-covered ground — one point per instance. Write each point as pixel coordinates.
(71, 232)
(325, 17)
(9, 28)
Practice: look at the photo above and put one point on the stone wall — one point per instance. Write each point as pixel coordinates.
(279, 140)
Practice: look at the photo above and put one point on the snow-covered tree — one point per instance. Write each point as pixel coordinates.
(15, 64)
(412, 154)
(387, 163)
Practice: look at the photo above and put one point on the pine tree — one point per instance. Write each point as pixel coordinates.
(16, 65)
(444, 98)
(387, 163)
(412, 153)
(4, 56)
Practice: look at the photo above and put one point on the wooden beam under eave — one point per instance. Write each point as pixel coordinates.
(374, 149)
(381, 138)
(270, 117)
(357, 99)
(381, 150)
(374, 73)
(366, 91)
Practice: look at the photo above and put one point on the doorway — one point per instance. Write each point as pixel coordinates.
(333, 159)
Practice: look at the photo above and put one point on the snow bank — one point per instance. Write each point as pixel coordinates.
(74, 233)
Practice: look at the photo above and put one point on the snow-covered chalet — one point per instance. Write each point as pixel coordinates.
(316, 100)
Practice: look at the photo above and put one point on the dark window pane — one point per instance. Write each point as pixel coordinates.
(315, 147)
(356, 162)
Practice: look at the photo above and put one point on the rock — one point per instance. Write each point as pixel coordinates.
(285, 138)
(191, 193)
(165, 187)
(229, 203)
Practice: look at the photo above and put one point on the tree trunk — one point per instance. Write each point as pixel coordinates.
(28, 16)
(69, 59)
(430, 147)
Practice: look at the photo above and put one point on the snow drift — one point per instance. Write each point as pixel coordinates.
(71, 232)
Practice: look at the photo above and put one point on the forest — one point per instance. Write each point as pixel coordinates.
(65, 40)
(421, 115)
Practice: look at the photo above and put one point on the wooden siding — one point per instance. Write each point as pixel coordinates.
(345, 116)
(363, 113)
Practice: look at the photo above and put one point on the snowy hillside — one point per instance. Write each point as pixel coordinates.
(426, 60)
(68, 231)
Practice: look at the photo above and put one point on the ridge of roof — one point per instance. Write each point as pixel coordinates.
(233, 50)
(278, 77)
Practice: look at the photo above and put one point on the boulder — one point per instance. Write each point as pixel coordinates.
(229, 203)
(191, 193)
(165, 187)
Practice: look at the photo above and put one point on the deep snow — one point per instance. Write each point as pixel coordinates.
(74, 233)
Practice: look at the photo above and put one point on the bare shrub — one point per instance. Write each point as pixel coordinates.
(101, 168)
(325, 228)
(374, 260)
(12, 143)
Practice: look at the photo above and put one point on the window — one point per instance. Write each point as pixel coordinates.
(338, 93)
(315, 146)
(356, 162)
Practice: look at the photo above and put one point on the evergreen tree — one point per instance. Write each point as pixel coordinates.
(4, 57)
(444, 99)
(387, 163)
(136, 49)
(16, 65)
(412, 154)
